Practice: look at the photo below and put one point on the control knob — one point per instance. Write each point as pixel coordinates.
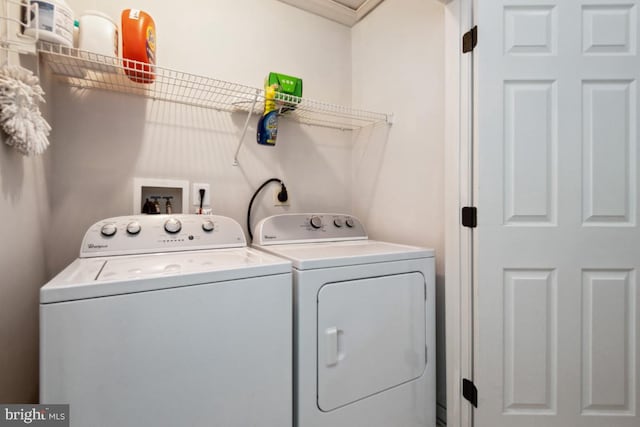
(338, 222)
(172, 225)
(349, 222)
(208, 225)
(133, 228)
(315, 221)
(108, 229)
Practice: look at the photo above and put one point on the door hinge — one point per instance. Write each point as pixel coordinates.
(470, 40)
(470, 216)
(470, 392)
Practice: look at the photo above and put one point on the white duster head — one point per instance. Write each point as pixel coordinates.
(20, 118)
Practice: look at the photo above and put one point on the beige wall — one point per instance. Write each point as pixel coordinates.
(104, 140)
(24, 210)
(24, 207)
(398, 173)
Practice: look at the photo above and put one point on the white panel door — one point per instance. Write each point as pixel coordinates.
(557, 244)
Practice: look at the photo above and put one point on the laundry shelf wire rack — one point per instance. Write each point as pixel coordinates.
(89, 70)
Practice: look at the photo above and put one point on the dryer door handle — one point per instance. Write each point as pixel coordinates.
(332, 345)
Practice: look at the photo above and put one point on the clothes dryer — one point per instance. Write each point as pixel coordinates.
(364, 335)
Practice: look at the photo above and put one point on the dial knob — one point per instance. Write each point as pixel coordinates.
(133, 228)
(315, 221)
(172, 225)
(108, 229)
(338, 222)
(208, 225)
(349, 222)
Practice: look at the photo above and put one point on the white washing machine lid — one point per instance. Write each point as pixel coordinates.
(308, 256)
(117, 275)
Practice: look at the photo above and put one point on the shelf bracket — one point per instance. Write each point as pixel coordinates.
(390, 119)
(244, 128)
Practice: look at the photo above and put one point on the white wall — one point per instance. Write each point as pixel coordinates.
(103, 140)
(23, 203)
(398, 173)
(24, 211)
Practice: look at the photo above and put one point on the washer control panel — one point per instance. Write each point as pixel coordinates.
(304, 228)
(142, 234)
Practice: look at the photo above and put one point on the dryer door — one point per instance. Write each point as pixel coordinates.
(371, 337)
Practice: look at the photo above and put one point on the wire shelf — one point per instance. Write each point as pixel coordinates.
(89, 70)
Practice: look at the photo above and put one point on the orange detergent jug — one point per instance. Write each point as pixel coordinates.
(138, 45)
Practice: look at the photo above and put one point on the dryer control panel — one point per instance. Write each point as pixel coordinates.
(143, 234)
(308, 228)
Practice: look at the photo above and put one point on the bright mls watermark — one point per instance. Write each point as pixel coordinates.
(34, 415)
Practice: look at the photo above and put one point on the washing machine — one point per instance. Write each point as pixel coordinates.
(364, 335)
(168, 321)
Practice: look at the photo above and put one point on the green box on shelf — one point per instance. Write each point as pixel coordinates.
(288, 85)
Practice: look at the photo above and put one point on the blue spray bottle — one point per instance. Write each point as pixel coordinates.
(268, 124)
